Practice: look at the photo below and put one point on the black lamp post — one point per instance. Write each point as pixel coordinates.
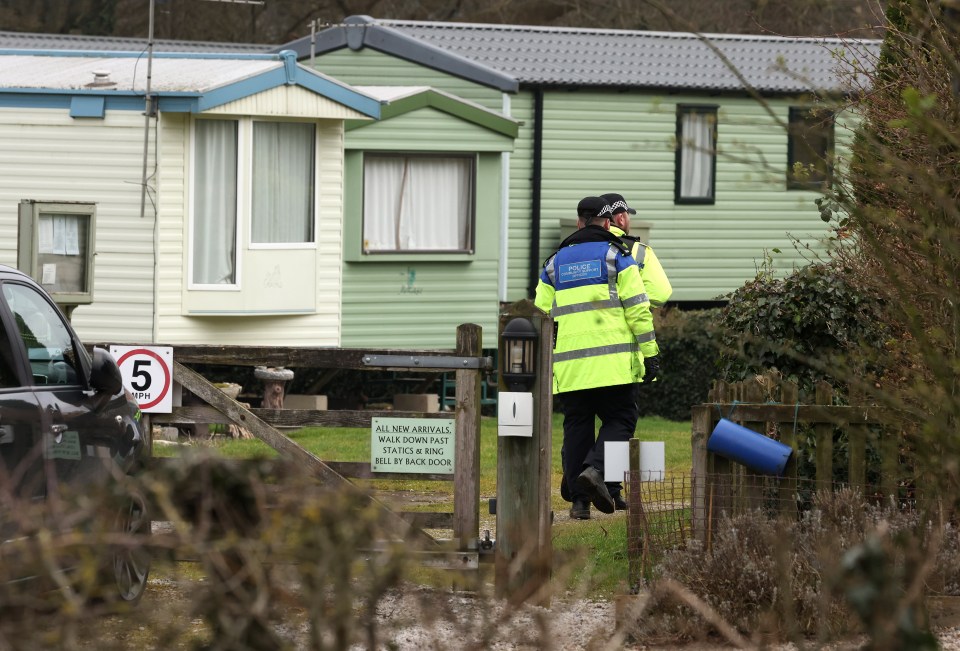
(519, 347)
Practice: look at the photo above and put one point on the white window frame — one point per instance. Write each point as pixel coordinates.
(244, 231)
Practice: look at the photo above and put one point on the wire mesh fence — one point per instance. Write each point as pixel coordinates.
(665, 512)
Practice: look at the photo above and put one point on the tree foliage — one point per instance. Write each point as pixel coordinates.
(896, 218)
(278, 21)
(812, 325)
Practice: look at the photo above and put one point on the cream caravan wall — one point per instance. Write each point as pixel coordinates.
(321, 274)
(46, 155)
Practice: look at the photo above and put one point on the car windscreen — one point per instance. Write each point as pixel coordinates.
(48, 342)
(8, 376)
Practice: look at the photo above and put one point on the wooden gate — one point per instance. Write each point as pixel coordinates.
(467, 362)
(774, 407)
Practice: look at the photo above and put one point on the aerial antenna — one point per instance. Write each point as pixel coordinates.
(313, 41)
(148, 111)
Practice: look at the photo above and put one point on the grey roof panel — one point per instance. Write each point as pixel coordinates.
(548, 55)
(25, 70)
(32, 41)
(357, 32)
(536, 55)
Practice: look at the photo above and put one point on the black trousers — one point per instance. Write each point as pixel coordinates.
(616, 407)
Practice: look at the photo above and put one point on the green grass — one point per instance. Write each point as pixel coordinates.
(597, 547)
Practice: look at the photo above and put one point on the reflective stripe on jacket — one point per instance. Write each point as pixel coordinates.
(604, 327)
(654, 277)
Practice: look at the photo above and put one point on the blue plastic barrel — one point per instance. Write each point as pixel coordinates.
(757, 452)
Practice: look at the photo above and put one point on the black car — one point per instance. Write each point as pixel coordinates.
(68, 428)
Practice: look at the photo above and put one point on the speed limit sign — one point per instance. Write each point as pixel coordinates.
(148, 374)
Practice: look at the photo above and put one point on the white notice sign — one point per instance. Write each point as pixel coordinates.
(424, 445)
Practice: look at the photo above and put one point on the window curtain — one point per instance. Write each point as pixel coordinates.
(283, 189)
(696, 155)
(215, 203)
(417, 203)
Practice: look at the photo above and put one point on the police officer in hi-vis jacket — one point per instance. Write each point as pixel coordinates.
(655, 283)
(592, 288)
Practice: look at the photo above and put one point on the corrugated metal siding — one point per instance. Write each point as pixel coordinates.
(327, 329)
(382, 309)
(419, 303)
(371, 68)
(288, 101)
(606, 141)
(172, 186)
(596, 142)
(320, 329)
(521, 216)
(443, 132)
(47, 155)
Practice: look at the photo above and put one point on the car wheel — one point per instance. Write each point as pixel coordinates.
(126, 578)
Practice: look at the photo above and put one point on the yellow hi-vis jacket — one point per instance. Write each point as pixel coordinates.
(654, 277)
(593, 291)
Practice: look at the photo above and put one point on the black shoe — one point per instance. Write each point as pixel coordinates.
(580, 510)
(564, 489)
(592, 484)
(619, 503)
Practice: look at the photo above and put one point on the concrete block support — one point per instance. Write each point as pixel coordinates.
(300, 401)
(423, 402)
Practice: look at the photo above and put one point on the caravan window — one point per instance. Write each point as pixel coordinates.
(809, 149)
(417, 203)
(696, 155)
(252, 181)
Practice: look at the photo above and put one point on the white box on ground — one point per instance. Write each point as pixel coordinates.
(616, 460)
(514, 413)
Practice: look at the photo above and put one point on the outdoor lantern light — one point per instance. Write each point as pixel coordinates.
(519, 343)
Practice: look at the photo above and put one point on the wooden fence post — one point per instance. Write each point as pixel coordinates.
(720, 469)
(889, 460)
(466, 471)
(638, 540)
(752, 486)
(787, 493)
(857, 444)
(701, 426)
(524, 550)
(824, 435)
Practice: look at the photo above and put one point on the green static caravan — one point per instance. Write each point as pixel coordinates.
(422, 217)
(218, 218)
(705, 154)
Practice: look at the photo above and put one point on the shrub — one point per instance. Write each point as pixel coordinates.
(689, 347)
(799, 578)
(808, 325)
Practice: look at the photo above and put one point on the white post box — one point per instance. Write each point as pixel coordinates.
(515, 413)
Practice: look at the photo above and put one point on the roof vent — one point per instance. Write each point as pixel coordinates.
(101, 78)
